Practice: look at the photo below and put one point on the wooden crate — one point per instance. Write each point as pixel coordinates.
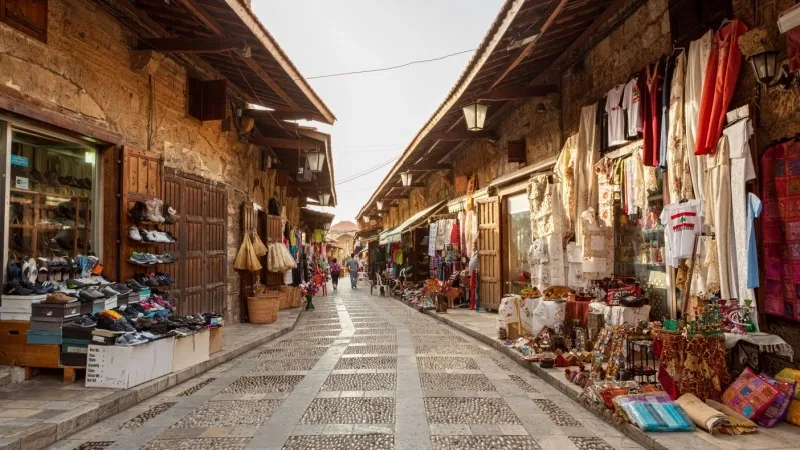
(215, 344)
(15, 351)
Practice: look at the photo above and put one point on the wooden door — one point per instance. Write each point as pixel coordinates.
(201, 229)
(488, 210)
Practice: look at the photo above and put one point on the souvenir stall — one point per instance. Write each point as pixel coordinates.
(644, 258)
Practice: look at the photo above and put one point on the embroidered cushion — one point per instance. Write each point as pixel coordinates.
(790, 375)
(793, 415)
(749, 395)
(776, 412)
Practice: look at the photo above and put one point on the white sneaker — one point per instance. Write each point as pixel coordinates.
(161, 237)
(134, 234)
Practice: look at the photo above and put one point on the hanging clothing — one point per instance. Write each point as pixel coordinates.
(630, 103)
(718, 214)
(696, 64)
(666, 89)
(719, 84)
(679, 180)
(546, 228)
(574, 271)
(601, 121)
(638, 182)
(605, 190)
(793, 48)
(441, 234)
(432, 231)
(564, 171)
(682, 223)
(586, 157)
(616, 116)
(741, 166)
(598, 248)
(651, 83)
(753, 211)
(630, 192)
(455, 235)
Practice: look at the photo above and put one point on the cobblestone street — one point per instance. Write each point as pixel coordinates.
(359, 372)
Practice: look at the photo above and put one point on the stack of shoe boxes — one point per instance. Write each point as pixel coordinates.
(48, 324)
(18, 307)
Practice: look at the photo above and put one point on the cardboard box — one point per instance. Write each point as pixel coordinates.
(105, 337)
(191, 350)
(53, 310)
(44, 337)
(70, 332)
(144, 294)
(45, 323)
(215, 340)
(20, 301)
(73, 359)
(16, 314)
(122, 367)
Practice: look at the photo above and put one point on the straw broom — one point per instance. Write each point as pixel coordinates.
(258, 245)
(240, 263)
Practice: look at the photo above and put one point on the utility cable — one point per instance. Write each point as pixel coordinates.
(383, 69)
(366, 172)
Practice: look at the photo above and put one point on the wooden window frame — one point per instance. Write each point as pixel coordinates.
(22, 27)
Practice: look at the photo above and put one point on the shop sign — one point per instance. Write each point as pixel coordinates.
(17, 160)
(21, 183)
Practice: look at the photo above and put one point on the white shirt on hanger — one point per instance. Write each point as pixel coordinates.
(683, 222)
(630, 103)
(616, 116)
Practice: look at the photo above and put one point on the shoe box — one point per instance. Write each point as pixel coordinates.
(105, 337)
(44, 337)
(18, 307)
(54, 310)
(144, 294)
(73, 359)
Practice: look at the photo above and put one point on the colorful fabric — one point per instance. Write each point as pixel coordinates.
(651, 83)
(793, 415)
(724, 64)
(793, 48)
(749, 395)
(780, 229)
(777, 411)
(790, 375)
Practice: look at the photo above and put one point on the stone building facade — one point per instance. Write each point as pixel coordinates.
(86, 71)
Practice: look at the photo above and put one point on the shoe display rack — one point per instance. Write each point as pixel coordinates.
(48, 224)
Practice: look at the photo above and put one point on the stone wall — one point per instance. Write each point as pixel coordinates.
(84, 71)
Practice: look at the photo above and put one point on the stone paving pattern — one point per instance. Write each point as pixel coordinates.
(408, 383)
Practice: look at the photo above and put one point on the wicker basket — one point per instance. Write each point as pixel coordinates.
(275, 303)
(259, 309)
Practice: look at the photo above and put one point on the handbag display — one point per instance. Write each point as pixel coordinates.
(621, 288)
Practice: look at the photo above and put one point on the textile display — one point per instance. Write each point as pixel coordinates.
(767, 343)
(651, 84)
(666, 91)
(654, 412)
(696, 65)
(620, 315)
(586, 156)
(793, 415)
(678, 174)
(776, 412)
(432, 230)
(793, 48)
(682, 223)
(598, 248)
(691, 364)
(701, 414)
(790, 375)
(631, 103)
(441, 234)
(780, 229)
(753, 211)
(564, 170)
(719, 84)
(616, 116)
(749, 395)
(546, 254)
(605, 190)
(638, 181)
(719, 216)
(574, 263)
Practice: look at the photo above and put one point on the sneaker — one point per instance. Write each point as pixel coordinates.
(58, 298)
(85, 321)
(135, 285)
(109, 292)
(140, 258)
(75, 284)
(138, 212)
(135, 234)
(90, 295)
(121, 288)
(151, 212)
(169, 213)
(158, 206)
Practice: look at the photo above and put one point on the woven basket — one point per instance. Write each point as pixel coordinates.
(259, 309)
(274, 302)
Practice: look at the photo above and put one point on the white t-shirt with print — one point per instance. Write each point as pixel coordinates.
(616, 116)
(630, 103)
(683, 222)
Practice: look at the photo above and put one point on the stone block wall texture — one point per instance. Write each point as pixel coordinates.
(84, 71)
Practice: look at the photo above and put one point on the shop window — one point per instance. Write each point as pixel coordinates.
(208, 100)
(516, 151)
(690, 19)
(517, 273)
(51, 197)
(28, 16)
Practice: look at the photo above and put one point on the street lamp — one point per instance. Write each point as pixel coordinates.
(315, 161)
(366, 218)
(324, 198)
(326, 226)
(764, 64)
(475, 115)
(380, 204)
(405, 177)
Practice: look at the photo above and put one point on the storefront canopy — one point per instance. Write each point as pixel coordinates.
(393, 236)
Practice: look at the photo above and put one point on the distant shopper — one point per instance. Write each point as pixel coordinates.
(335, 271)
(352, 266)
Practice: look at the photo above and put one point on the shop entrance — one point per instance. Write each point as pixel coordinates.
(202, 232)
(489, 252)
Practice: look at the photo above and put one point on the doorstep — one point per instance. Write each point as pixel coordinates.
(483, 326)
(37, 413)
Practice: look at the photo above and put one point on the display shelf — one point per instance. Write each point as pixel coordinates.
(49, 194)
(152, 265)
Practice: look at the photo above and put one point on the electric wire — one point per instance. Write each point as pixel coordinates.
(383, 69)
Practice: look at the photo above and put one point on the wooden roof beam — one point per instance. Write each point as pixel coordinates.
(518, 92)
(193, 45)
(557, 7)
(253, 64)
(426, 167)
(464, 135)
(296, 144)
(203, 16)
(619, 11)
(282, 115)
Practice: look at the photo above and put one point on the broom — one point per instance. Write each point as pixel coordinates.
(240, 263)
(253, 264)
(258, 245)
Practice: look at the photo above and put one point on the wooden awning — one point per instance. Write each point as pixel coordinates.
(225, 38)
(522, 55)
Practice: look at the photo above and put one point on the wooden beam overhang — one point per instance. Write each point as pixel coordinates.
(296, 144)
(194, 45)
(518, 92)
(282, 115)
(464, 135)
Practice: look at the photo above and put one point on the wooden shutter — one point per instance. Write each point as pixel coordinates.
(489, 291)
(28, 16)
(141, 181)
(516, 151)
(208, 100)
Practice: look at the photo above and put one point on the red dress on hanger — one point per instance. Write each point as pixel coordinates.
(724, 63)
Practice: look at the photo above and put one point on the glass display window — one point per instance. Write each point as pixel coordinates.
(517, 274)
(51, 190)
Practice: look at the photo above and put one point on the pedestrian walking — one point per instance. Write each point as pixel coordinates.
(352, 266)
(335, 271)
